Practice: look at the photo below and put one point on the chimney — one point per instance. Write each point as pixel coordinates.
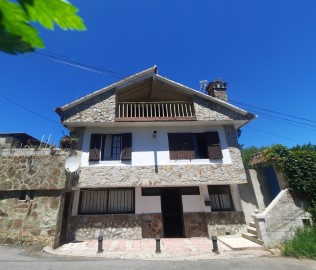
(217, 89)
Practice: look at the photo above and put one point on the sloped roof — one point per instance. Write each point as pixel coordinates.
(153, 73)
(131, 79)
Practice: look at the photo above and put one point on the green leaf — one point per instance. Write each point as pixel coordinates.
(15, 27)
(48, 12)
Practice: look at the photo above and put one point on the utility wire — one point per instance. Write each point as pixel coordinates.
(271, 118)
(282, 118)
(271, 133)
(28, 110)
(252, 106)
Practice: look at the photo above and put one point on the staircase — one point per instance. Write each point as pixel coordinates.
(251, 234)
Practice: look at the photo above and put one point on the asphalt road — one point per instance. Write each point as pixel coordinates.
(12, 258)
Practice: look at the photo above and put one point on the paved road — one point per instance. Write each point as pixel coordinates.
(26, 259)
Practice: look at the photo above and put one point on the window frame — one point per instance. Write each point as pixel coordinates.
(217, 191)
(97, 147)
(195, 142)
(106, 212)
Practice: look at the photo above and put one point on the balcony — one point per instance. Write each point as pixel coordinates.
(154, 111)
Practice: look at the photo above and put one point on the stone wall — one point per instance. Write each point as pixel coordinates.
(152, 225)
(98, 109)
(38, 219)
(210, 111)
(278, 222)
(194, 225)
(222, 223)
(29, 222)
(25, 169)
(129, 176)
(134, 226)
(127, 226)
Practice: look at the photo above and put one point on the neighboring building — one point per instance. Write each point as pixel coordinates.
(17, 140)
(157, 158)
(278, 210)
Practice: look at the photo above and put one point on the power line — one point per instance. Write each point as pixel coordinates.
(28, 110)
(282, 118)
(271, 118)
(76, 63)
(268, 110)
(271, 133)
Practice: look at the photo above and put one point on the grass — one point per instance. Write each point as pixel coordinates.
(303, 245)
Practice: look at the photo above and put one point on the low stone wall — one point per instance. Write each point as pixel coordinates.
(278, 222)
(127, 226)
(29, 222)
(152, 225)
(222, 223)
(134, 226)
(27, 169)
(194, 225)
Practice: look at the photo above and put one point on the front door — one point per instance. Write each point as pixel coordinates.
(171, 206)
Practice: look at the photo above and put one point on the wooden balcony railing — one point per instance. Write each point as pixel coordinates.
(150, 111)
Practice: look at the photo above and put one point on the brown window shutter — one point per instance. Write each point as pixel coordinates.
(213, 145)
(95, 147)
(181, 146)
(126, 152)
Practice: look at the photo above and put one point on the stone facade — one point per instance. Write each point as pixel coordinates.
(152, 225)
(98, 109)
(129, 176)
(194, 225)
(209, 111)
(127, 226)
(134, 226)
(278, 222)
(222, 223)
(32, 170)
(29, 222)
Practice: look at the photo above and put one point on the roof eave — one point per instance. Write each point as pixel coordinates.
(131, 79)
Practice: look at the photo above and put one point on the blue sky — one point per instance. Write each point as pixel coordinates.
(264, 50)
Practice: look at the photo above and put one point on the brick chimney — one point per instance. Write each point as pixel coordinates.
(217, 89)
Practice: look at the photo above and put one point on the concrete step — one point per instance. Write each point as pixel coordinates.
(252, 224)
(252, 237)
(252, 230)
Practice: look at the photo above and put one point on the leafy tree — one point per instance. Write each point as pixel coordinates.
(18, 35)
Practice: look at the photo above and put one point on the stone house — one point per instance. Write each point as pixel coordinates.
(156, 158)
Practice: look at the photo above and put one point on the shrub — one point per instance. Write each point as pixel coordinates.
(303, 245)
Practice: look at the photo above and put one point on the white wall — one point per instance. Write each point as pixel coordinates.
(146, 204)
(149, 150)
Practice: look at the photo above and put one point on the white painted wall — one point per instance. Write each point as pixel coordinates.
(149, 150)
(146, 204)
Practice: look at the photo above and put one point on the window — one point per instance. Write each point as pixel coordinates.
(110, 147)
(194, 146)
(220, 198)
(106, 201)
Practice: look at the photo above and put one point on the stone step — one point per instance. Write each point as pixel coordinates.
(252, 230)
(252, 237)
(252, 224)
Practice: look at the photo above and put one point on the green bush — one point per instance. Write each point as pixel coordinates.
(303, 245)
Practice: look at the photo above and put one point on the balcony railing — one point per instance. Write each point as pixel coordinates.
(150, 111)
